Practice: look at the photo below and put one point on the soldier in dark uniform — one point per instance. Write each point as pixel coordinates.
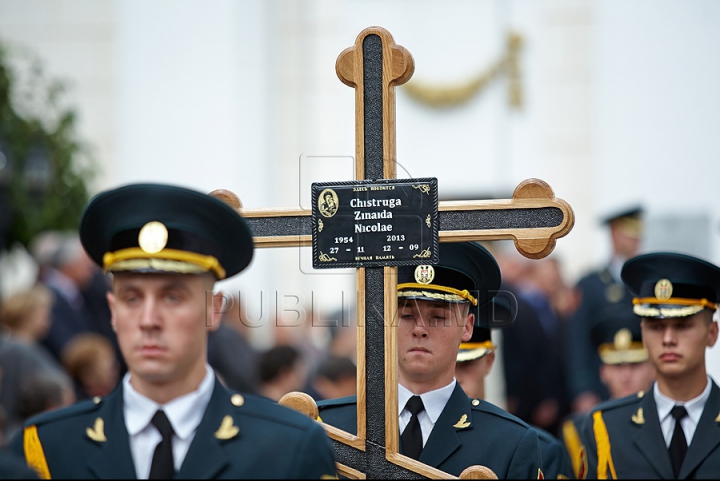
(673, 430)
(475, 359)
(625, 370)
(170, 416)
(603, 297)
(439, 424)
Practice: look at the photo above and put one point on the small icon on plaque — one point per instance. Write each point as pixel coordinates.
(663, 289)
(424, 274)
(153, 237)
(328, 203)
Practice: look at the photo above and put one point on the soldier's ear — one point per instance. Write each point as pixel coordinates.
(468, 327)
(111, 305)
(713, 334)
(217, 308)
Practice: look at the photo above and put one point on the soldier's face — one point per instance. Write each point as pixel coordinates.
(429, 334)
(676, 346)
(625, 379)
(161, 321)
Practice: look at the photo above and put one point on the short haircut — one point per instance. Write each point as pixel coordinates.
(277, 360)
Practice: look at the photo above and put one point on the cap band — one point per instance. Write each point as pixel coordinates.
(634, 354)
(452, 295)
(469, 351)
(677, 301)
(171, 260)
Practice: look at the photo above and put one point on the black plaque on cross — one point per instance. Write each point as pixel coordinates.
(533, 218)
(375, 223)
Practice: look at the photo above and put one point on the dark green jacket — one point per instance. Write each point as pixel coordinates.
(637, 446)
(488, 436)
(270, 441)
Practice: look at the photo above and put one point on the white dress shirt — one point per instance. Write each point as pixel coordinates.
(184, 414)
(434, 402)
(689, 423)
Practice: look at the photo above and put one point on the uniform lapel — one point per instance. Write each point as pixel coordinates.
(707, 434)
(650, 441)
(206, 456)
(113, 460)
(443, 440)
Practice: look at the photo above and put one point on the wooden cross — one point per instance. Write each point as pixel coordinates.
(533, 218)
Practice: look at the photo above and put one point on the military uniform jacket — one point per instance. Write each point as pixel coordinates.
(634, 446)
(555, 460)
(604, 302)
(468, 432)
(257, 439)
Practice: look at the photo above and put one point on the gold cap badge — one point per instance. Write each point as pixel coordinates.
(153, 237)
(622, 339)
(663, 289)
(424, 274)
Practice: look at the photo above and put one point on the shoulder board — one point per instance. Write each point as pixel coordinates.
(343, 401)
(64, 413)
(617, 403)
(493, 409)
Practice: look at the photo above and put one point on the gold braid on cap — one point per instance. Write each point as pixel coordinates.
(678, 301)
(692, 306)
(455, 295)
(172, 260)
(469, 351)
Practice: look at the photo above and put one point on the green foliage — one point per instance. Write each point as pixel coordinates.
(44, 180)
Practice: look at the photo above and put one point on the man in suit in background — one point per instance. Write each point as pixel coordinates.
(673, 430)
(170, 416)
(439, 424)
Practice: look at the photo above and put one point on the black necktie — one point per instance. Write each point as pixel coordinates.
(412, 435)
(162, 466)
(678, 444)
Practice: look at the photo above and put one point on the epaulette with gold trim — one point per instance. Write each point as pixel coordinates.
(82, 407)
(617, 403)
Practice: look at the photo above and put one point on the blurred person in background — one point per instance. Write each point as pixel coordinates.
(603, 297)
(39, 393)
(475, 359)
(625, 370)
(230, 354)
(90, 360)
(25, 319)
(69, 271)
(281, 371)
(532, 348)
(336, 377)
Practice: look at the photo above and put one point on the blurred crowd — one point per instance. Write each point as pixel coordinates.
(57, 345)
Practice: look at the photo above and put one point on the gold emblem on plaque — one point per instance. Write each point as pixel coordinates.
(153, 237)
(328, 203)
(321, 226)
(424, 274)
(622, 339)
(427, 221)
(424, 188)
(663, 289)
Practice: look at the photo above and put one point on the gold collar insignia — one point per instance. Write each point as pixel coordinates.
(226, 429)
(638, 417)
(717, 419)
(97, 432)
(462, 423)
